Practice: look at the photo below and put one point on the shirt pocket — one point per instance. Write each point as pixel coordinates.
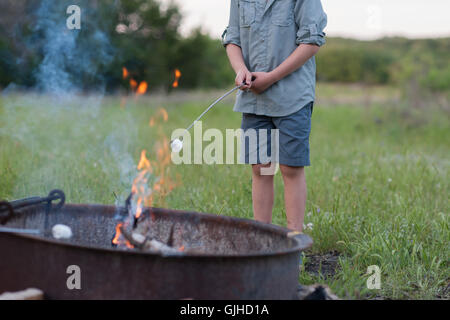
(247, 12)
(283, 13)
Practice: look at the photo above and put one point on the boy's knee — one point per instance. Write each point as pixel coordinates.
(261, 169)
(291, 172)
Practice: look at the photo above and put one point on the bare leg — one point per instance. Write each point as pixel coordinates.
(262, 193)
(294, 196)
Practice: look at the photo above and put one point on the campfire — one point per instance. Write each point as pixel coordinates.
(152, 180)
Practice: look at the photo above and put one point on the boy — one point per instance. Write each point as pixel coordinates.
(273, 43)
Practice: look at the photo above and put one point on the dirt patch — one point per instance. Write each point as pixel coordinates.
(444, 292)
(326, 264)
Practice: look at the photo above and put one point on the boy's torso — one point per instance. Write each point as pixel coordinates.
(268, 34)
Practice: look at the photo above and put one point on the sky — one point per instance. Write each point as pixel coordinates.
(360, 19)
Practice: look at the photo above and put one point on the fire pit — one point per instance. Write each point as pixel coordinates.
(217, 257)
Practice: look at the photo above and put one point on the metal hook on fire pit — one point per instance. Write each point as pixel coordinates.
(13, 206)
(55, 195)
(6, 206)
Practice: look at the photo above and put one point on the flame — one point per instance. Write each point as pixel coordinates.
(125, 73)
(138, 208)
(142, 89)
(145, 183)
(164, 185)
(144, 163)
(164, 114)
(118, 233)
(177, 78)
(140, 188)
(161, 113)
(118, 239)
(133, 84)
(142, 192)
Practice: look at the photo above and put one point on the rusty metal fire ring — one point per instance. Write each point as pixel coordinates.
(6, 206)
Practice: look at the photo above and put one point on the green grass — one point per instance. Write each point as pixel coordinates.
(378, 185)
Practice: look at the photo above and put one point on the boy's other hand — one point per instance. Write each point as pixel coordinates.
(244, 76)
(262, 82)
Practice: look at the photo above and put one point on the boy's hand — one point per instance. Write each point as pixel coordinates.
(242, 76)
(262, 82)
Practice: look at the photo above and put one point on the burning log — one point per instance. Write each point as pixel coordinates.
(142, 242)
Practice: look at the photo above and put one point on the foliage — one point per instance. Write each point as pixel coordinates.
(144, 37)
(387, 61)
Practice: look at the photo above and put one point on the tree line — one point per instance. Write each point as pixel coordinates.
(144, 37)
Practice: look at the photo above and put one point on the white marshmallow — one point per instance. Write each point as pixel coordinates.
(138, 237)
(61, 231)
(176, 145)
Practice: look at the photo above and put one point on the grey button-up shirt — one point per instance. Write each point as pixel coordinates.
(268, 31)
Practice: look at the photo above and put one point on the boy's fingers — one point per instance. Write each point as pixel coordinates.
(239, 80)
(248, 80)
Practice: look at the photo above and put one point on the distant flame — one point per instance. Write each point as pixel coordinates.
(177, 78)
(125, 73)
(142, 89)
(133, 84)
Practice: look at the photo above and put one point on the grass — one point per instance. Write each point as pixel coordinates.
(378, 185)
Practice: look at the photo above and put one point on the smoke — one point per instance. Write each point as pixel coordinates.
(59, 49)
(70, 57)
(58, 127)
(118, 161)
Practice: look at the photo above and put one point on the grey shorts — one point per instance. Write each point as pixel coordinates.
(259, 142)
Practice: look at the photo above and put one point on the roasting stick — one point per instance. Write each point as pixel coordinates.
(212, 105)
(24, 231)
(177, 144)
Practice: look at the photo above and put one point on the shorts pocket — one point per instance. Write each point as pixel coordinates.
(247, 12)
(283, 13)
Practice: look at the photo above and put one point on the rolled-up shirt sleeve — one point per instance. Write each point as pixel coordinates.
(232, 32)
(311, 21)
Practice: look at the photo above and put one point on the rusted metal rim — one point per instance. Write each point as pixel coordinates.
(6, 206)
(302, 241)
